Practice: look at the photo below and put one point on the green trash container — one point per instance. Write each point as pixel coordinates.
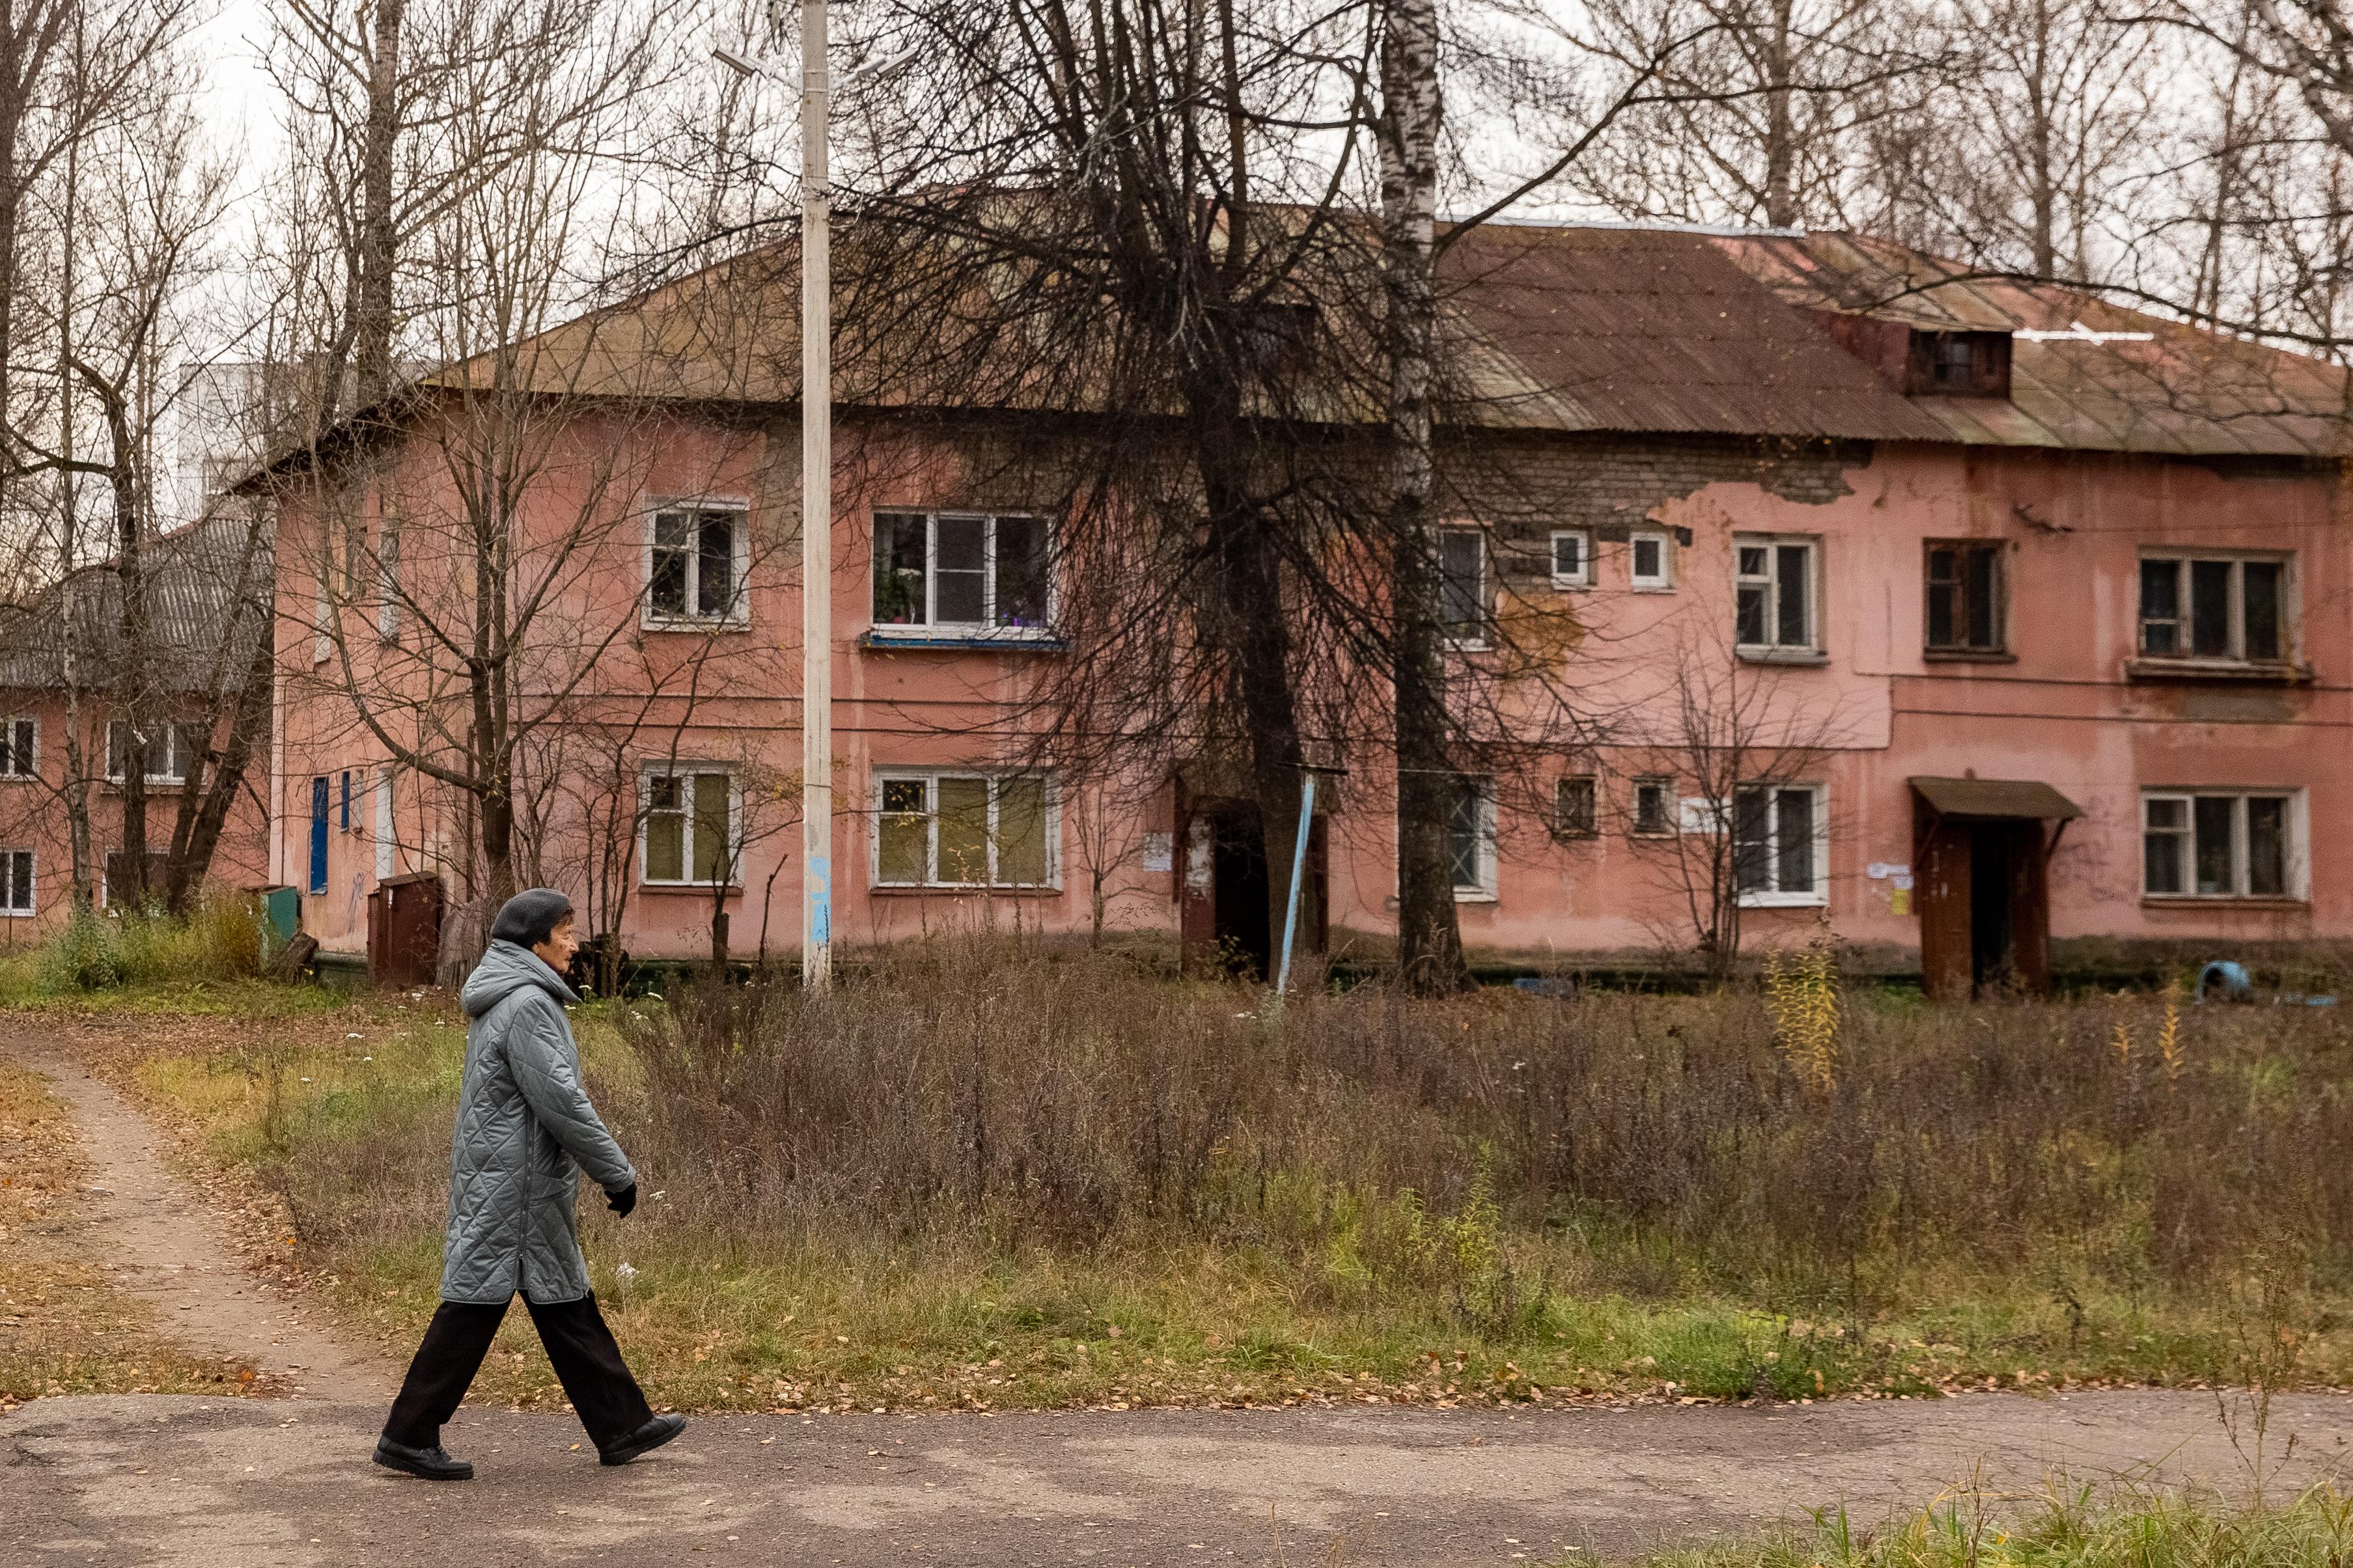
(281, 914)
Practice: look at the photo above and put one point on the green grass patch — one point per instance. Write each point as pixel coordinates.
(2068, 1528)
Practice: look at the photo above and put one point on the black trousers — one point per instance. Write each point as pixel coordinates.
(580, 1347)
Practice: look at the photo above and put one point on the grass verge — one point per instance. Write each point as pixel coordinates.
(2066, 1527)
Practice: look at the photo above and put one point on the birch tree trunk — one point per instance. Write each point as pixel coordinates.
(1429, 938)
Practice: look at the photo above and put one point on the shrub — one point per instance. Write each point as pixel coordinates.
(220, 940)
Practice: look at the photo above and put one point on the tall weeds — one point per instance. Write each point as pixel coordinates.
(1013, 1099)
(220, 940)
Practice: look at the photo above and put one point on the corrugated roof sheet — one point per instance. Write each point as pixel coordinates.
(1632, 329)
(2182, 390)
(1550, 328)
(193, 579)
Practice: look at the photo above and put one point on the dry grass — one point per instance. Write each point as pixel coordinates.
(978, 1176)
(62, 1329)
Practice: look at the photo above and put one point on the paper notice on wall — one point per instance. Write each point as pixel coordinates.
(1877, 871)
(1159, 851)
(1900, 901)
(1903, 881)
(1199, 873)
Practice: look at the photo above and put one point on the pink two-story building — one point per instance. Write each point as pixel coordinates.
(1963, 615)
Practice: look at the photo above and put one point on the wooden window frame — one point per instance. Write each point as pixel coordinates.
(2183, 620)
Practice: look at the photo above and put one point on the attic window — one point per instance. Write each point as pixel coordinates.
(1959, 365)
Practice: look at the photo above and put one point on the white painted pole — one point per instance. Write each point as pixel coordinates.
(816, 511)
(1298, 870)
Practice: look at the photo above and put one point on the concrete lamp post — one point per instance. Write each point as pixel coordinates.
(817, 469)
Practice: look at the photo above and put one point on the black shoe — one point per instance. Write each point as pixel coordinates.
(433, 1464)
(644, 1440)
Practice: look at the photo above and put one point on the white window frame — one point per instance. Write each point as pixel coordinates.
(9, 908)
(1583, 577)
(2296, 861)
(2182, 560)
(930, 779)
(174, 750)
(1776, 592)
(1818, 895)
(685, 769)
(1477, 641)
(31, 770)
(932, 630)
(1699, 816)
(738, 612)
(1668, 808)
(1663, 581)
(1481, 888)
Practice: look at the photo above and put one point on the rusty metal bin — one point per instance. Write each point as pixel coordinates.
(405, 929)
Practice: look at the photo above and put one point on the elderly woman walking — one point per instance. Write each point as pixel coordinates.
(525, 1131)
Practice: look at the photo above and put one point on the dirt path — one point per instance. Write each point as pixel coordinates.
(236, 1483)
(157, 1243)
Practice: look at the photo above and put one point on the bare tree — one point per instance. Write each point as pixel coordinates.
(1731, 759)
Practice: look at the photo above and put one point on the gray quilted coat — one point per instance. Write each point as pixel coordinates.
(525, 1131)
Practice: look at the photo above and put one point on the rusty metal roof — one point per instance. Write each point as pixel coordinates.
(2161, 386)
(1548, 328)
(1996, 798)
(1647, 330)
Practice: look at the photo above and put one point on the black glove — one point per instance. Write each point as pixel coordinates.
(622, 1200)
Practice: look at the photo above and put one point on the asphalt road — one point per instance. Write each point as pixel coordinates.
(274, 1484)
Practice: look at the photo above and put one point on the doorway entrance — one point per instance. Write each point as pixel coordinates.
(1981, 864)
(1227, 924)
